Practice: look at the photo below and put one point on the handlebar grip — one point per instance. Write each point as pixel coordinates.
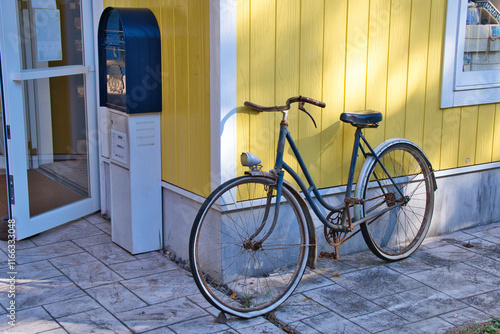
(261, 108)
(312, 101)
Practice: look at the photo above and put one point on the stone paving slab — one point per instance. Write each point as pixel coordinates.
(331, 323)
(379, 321)
(150, 265)
(91, 274)
(109, 253)
(72, 260)
(41, 292)
(458, 280)
(409, 265)
(486, 302)
(465, 316)
(41, 270)
(162, 287)
(46, 252)
(376, 282)
(486, 264)
(76, 230)
(34, 320)
(73, 279)
(116, 298)
(160, 315)
(299, 307)
(93, 321)
(420, 304)
(342, 301)
(432, 325)
(193, 326)
(93, 240)
(71, 306)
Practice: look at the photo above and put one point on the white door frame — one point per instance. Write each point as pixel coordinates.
(14, 103)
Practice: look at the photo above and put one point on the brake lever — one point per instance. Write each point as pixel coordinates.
(301, 107)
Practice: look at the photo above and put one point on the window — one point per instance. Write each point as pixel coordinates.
(471, 69)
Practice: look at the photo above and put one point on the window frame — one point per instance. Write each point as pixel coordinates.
(463, 88)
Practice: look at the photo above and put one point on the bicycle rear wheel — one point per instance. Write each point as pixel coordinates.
(397, 233)
(236, 273)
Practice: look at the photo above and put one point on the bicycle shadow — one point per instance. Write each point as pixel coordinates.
(329, 138)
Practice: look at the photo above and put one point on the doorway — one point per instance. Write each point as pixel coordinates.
(50, 106)
(55, 110)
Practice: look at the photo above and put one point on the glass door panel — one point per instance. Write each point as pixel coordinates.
(58, 172)
(52, 33)
(55, 108)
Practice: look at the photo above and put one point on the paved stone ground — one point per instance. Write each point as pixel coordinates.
(73, 279)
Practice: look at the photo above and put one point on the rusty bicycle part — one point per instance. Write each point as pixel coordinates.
(333, 237)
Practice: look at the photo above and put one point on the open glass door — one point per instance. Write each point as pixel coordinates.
(51, 109)
(4, 189)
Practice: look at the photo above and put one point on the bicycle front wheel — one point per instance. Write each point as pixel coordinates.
(247, 259)
(401, 208)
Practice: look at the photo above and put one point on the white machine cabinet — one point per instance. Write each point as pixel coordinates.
(135, 181)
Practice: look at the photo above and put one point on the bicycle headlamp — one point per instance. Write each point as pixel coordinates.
(249, 159)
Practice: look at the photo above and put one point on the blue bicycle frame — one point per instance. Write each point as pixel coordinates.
(280, 165)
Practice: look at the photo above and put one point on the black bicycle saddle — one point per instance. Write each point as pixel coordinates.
(362, 118)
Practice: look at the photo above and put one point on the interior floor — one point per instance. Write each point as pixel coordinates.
(45, 194)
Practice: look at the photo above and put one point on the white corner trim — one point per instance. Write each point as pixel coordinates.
(223, 81)
(449, 52)
(215, 143)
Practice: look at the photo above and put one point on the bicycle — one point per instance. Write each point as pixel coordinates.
(254, 236)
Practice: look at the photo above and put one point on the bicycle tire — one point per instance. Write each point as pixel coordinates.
(397, 233)
(233, 276)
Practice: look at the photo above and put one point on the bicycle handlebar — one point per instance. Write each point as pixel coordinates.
(291, 100)
(301, 99)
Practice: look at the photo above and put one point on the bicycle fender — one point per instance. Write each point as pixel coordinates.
(313, 251)
(370, 161)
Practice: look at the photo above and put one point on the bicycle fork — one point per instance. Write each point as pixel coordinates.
(256, 245)
(279, 174)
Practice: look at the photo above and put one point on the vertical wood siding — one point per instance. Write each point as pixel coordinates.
(353, 54)
(185, 117)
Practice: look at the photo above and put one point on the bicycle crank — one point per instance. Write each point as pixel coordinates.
(334, 238)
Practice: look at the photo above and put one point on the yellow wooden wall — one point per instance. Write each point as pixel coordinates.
(353, 54)
(185, 118)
